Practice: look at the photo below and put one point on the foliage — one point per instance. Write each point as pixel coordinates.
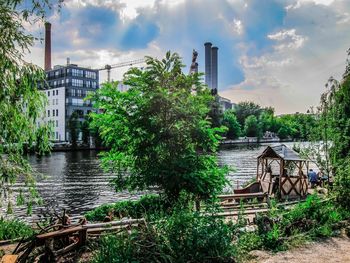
(251, 127)
(73, 126)
(342, 185)
(11, 229)
(85, 131)
(159, 132)
(21, 103)
(314, 218)
(245, 109)
(147, 205)
(230, 121)
(183, 237)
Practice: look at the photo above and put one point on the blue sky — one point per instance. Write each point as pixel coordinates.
(277, 53)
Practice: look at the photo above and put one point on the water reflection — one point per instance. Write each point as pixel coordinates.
(74, 180)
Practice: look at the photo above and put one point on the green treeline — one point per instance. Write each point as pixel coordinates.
(248, 119)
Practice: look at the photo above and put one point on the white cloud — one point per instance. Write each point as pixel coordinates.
(287, 38)
(237, 26)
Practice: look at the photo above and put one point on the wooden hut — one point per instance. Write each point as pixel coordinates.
(282, 172)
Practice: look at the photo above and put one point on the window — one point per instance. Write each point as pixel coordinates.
(56, 135)
(53, 112)
(67, 80)
(88, 83)
(56, 123)
(57, 73)
(73, 92)
(53, 102)
(77, 102)
(48, 113)
(57, 90)
(77, 72)
(56, 101)
(79, 92)
(93, 83)
(54, 83)
(48, 93)
(56, 112)
(77, 82)
(90, 74)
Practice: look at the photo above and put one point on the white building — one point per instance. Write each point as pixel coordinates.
(55, 112)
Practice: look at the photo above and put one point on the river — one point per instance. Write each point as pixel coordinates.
(74, 180)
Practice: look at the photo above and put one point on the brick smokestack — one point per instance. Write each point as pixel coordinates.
(47, 46)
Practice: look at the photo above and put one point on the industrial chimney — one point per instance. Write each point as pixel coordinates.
(47, 46)
(214, 69)
(208, 64)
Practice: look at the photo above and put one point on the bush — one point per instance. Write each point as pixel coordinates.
(148, 204)
(342, 185)
(314, 218)
(11, 229)
(182, 237)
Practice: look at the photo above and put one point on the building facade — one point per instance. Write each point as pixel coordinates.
(67, 88)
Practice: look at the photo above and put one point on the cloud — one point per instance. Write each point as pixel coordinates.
(278, 52)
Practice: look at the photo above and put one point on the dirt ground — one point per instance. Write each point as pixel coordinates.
(333, 250)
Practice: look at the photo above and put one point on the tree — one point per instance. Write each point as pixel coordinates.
(230, 121)
(85, 130)
(21, 103)
(251, 127)
(73, 126)
(159, 132)
(245, 109)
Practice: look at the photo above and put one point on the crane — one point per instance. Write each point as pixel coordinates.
(120, 65)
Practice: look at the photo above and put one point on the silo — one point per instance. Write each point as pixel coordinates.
(208, 71)
(214, 69)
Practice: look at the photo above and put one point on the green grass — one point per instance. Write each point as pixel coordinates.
(11, 229)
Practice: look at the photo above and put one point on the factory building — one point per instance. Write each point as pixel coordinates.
(66, 88)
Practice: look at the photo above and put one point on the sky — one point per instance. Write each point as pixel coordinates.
(277, 53)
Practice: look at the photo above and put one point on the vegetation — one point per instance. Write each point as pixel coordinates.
(233, 127)
(73, 126)
(146, 206)
(12, 229)
(21, 103)
(184, 236)
(159, 131)
(251, 120)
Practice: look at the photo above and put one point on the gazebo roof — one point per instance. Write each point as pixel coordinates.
(281, 151)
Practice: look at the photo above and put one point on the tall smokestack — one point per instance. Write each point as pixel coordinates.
(214, 69)
(47, 46)
(208, 81)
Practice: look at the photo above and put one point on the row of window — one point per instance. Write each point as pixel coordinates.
(54, 92)
(54, 102)
(54, 113)
(71, 72)
(75, 83)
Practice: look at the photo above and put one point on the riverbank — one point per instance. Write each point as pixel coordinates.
(332, 250)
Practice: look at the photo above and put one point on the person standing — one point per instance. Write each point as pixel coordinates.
(313, 178)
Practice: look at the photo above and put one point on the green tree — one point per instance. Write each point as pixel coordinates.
(73, 126)
(230, 121)
(85, 130)
(158, 131)
(245, 109)
(21, 103)
(251, 127)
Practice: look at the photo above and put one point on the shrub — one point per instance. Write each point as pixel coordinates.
(148, 204)
(11, 229)
(182, 237)
(342, 185)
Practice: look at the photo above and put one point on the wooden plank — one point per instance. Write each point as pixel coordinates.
(246, 212)
(114, 223)
(60, 233)
(9, 259)
(248, 195)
